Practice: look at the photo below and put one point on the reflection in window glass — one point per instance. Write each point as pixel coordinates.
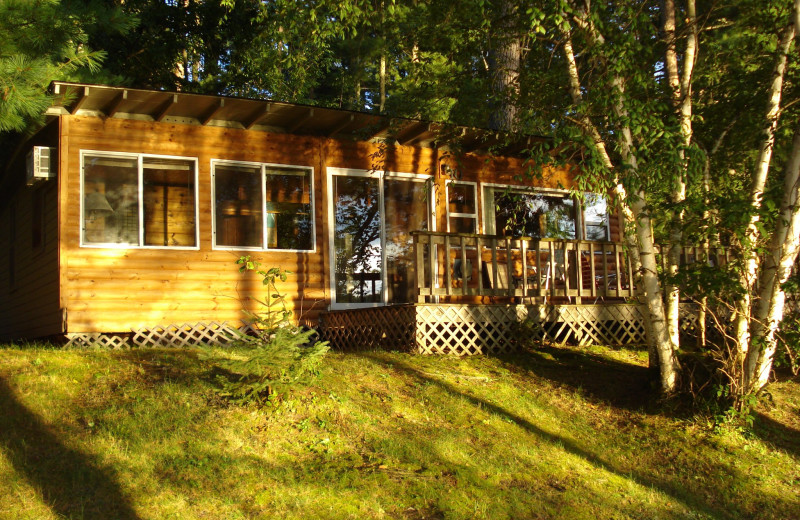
(357, 239)
(289, 218)
(405, 205)
(169, 205)
(111, 200)
(263, 207)
(238, 205)
(113, 206)
(595, 217)
(534, 215)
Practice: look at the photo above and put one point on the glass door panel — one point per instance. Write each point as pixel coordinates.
(357, 239)
(406, 210)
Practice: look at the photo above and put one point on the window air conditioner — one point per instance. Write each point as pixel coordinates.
(41, 164)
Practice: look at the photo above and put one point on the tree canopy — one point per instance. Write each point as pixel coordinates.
(684, 110)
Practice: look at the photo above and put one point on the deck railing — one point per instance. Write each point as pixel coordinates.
(463, 266)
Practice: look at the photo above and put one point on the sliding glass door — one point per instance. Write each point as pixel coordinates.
(372, 216)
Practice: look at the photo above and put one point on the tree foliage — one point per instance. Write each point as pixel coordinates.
(596, 78)
(45, 40)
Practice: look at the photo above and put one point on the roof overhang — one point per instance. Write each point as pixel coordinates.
(271, 116)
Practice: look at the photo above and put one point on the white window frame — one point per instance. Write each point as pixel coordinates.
(380, 175)
(139, 162)
(473, 216)
(264, 239)
(580, 227)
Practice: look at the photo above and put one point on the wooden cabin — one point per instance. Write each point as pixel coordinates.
(128, 210)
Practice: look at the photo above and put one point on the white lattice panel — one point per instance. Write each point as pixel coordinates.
(95, 339)
(184, 335)
(618, 324)
(460, 330)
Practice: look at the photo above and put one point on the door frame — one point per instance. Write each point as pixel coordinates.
(380, 175)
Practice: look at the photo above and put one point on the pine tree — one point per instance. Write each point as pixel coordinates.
(42, 41)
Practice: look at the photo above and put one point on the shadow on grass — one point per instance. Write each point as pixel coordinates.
(72, 484)
(616, 383)
(777, 434)
(675, 490)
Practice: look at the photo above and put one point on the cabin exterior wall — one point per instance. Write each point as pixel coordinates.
(29, 275)
(115, 289)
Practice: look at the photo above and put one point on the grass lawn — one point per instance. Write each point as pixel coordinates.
(554, 433)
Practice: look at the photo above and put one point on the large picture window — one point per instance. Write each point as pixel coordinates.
(516, 212)
(138, 200)
(260, 206)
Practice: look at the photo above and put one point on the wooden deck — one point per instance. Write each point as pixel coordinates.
(480, 294)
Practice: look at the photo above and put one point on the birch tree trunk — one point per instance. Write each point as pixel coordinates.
(778, 265)
(749, 275)
(633, 208)
(681, 91)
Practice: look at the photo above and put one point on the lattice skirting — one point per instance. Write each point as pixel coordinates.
(387, 328)
(487, 329)
(183, 335)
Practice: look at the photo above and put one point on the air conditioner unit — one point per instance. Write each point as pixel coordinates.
(41, 164)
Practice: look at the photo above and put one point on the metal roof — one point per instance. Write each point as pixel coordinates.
(266, 115)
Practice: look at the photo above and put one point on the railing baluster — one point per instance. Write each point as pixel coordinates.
(466, 271)
(509, 269)
(494, 265)
(618, 262)
(419, 267)
(479, 260)
(579, 271)
(524, 252)
(447, 268)
(552, 251)
(630, 276)
(593, 272)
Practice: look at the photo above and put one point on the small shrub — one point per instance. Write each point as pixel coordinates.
(277, 357)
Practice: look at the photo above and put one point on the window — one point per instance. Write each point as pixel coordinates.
(462, 207)
(260, 206)
(595, 217)
(139, 200)
(516, 212)
(372, 217)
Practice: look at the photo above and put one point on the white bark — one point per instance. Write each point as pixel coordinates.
(666, 348)
(783, 252)
(681, 91)
(382, 73)
(634, 209)
(748, 277)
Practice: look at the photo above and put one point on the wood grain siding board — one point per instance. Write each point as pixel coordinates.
(221, 275)
(85, 322)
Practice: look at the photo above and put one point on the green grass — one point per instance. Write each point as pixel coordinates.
(554, 433)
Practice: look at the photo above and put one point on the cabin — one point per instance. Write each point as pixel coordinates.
(124, 216)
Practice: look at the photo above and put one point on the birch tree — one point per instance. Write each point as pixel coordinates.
(680, 86)
(758, 351)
